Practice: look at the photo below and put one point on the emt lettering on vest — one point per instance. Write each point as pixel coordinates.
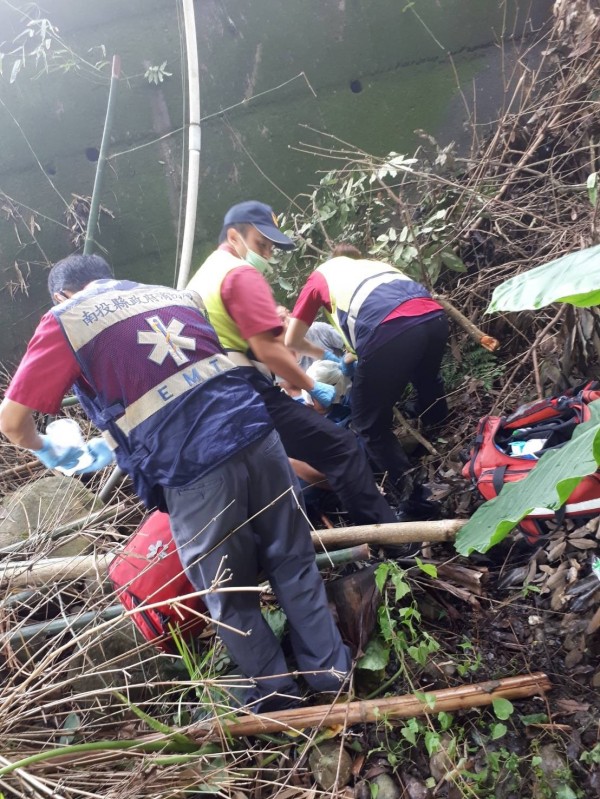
(197, 441)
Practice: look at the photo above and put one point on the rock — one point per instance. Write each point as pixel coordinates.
(43, 505)
(440, 763)
(387, 787)
(331, 765)
(552, 768)
(117, 660)
(415, 789)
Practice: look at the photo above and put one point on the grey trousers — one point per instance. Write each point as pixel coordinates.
(241, 518)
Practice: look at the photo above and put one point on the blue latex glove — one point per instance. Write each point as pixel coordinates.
(102, 454)
(323, 393)
(328, 355)
(52, 458)
(348, 369)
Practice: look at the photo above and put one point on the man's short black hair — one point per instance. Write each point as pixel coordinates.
(74, 272)
(241, 227)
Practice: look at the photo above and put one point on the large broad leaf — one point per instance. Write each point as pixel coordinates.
(573, 278)
(547, 486)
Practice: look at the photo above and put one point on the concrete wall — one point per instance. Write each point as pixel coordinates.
(380, 69)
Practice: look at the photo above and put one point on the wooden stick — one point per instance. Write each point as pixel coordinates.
(46, 570)
(487, 342)
(412, 431)
(364, 712)
(399, 533)
(24, 467)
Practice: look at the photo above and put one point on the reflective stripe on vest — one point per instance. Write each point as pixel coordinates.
(106, 302)
(127, 315)
(357, 305)
(207, 282)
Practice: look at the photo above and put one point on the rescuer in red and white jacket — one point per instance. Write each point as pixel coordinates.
(398, 334)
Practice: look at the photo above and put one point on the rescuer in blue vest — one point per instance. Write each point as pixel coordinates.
(398, 333)
(197, 441)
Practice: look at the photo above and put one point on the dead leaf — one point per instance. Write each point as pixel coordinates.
(572, 706)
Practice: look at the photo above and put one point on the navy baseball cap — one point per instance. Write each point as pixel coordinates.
(262, 217)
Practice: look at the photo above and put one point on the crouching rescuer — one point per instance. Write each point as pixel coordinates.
(182, 420)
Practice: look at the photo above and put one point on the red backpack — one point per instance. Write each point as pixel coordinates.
(537, 427)
(148, 571)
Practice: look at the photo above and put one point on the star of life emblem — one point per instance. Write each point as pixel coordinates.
(166, 341)
(158, 550)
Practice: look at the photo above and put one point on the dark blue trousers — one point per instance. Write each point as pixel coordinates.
(242, 518)
(413, 356)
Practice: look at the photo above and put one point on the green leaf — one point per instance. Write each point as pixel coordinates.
(452, 261)
(401, 587)
(285, 283)
(429, 568)
(445, 720)
(565, 792)
(426, 699)
(276, 619)
(547, 486)
(503, 708)
(499, 731)
(376, 656)
(410, 731)
(71, 724)
(534, 718)
(432, 742)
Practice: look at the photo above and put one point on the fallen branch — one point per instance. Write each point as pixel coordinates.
(372, 710)
(382, 534)
(22, 469)
(487, 342)
(412, 431)
(345, 715)
(45, 570)
(78, 567)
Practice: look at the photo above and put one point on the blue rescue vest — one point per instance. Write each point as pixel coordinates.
(157, 381)
(362, 294)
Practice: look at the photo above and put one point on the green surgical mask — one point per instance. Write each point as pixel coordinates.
(257, 261)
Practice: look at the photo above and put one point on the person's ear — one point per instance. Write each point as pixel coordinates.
(61, 296)
(236, 240)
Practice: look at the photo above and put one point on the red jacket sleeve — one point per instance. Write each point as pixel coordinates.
(249, 301)
(313, 297)
(47, 371)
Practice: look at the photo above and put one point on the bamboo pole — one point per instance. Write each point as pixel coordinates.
(71, 623)
(368, 711)
(463, 697)
(340, 556)
(41, 571)
(46, 570)
(96, 517)
(92, 224)
(382, 534)
(191, 46)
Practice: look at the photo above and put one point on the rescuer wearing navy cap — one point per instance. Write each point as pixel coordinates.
(261, 217)
(242, 309)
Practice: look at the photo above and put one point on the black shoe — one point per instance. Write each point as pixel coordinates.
(413, 510)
